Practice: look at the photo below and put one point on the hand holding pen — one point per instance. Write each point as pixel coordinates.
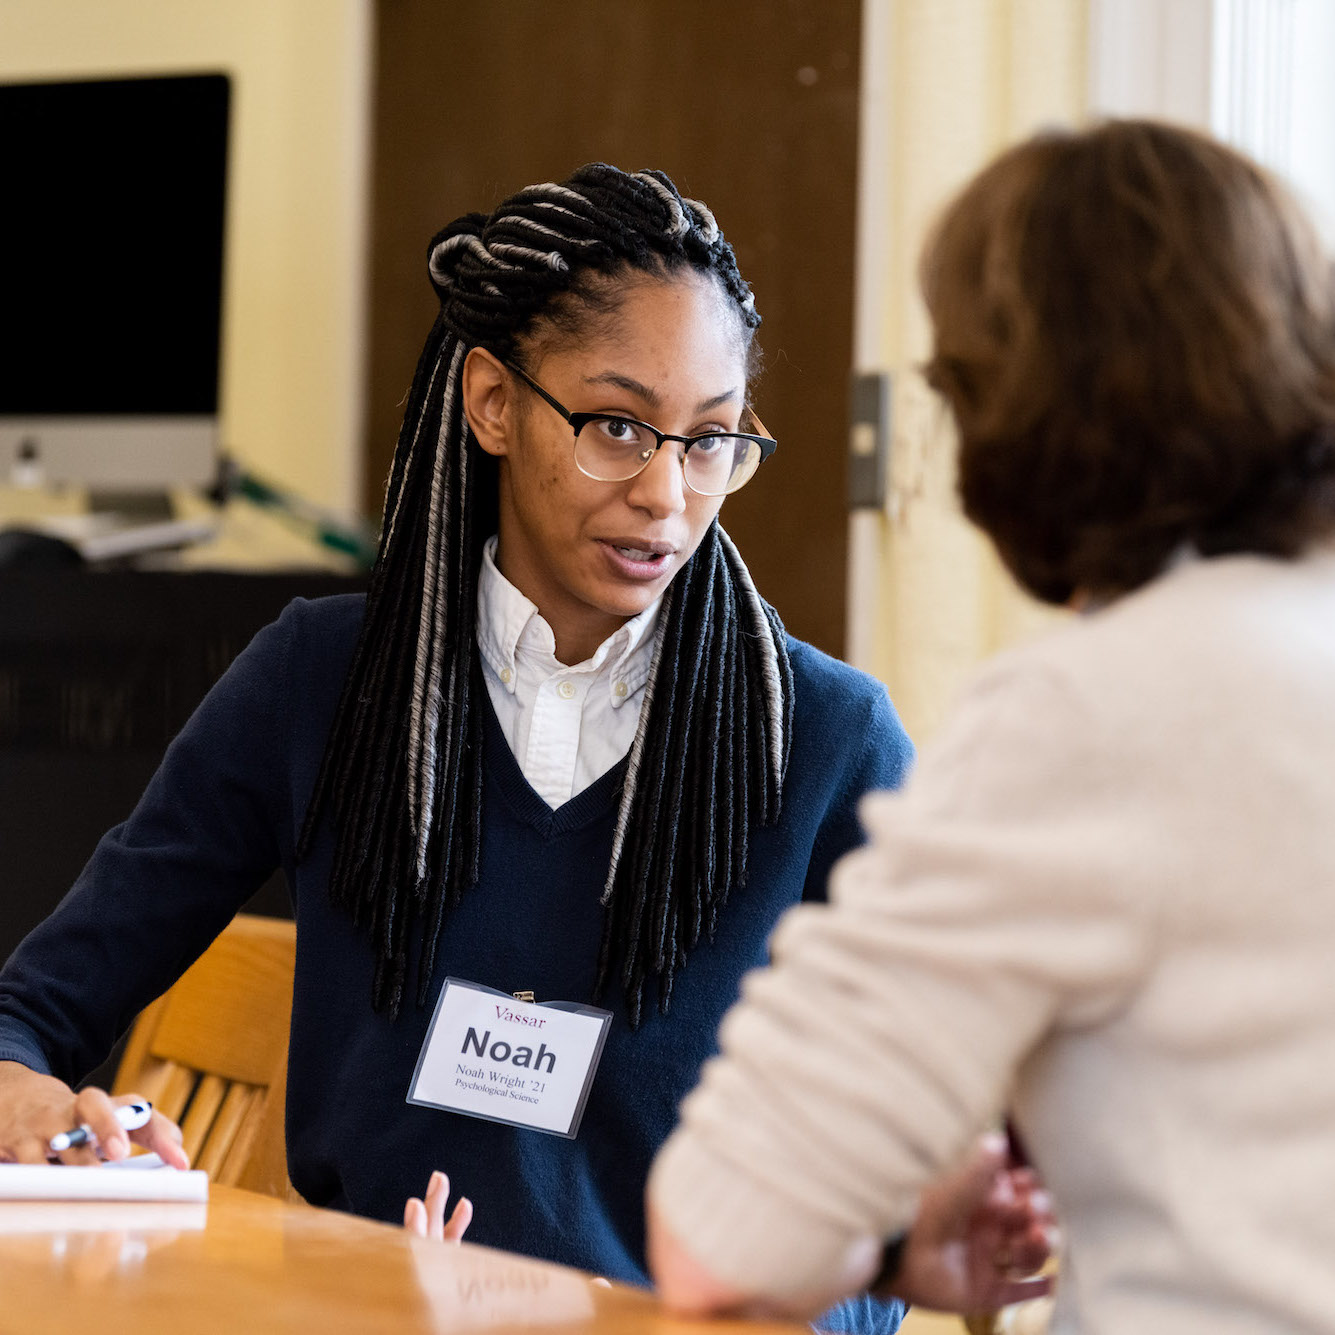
(36, 1108)
(130, 1116)
(94, 1128)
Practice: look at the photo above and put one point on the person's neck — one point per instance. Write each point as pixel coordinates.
(577, 630)
(577, 642)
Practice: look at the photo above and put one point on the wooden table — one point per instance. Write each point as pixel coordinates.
(246, 1264)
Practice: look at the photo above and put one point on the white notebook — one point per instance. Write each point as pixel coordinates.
(142, 1177)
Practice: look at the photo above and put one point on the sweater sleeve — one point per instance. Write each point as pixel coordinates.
(991, 903)
(160, 886)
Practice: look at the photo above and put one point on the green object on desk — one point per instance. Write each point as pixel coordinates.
(356, 541)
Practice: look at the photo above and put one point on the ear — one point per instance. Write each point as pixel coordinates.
(489, 402)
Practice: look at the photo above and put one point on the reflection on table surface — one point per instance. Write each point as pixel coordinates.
(246, 1263)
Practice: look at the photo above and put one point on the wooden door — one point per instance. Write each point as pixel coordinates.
(750, 105)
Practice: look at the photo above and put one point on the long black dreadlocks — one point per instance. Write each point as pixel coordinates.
(401, 776)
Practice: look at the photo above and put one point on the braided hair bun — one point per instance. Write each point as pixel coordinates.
(494, 273)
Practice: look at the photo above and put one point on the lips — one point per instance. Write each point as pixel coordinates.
(637, 558)
(638, 549)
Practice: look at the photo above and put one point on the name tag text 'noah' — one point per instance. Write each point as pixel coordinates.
(501, 1051)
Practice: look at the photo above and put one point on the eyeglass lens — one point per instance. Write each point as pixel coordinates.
(612, 449)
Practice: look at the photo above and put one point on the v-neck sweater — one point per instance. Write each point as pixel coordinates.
(227, 806)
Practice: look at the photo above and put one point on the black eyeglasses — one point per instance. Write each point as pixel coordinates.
(611, 448)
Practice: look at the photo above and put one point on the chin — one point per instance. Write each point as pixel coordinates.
(631, 605)
(629, 600)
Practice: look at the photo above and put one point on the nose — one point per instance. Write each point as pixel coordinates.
(661, 488)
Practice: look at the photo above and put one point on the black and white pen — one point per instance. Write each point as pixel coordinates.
(131, 1116)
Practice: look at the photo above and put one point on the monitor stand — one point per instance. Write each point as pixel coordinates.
(132, 508)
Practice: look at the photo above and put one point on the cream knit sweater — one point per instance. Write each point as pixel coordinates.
(1106, 901)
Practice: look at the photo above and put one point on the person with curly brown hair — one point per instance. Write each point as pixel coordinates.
(1106, 899)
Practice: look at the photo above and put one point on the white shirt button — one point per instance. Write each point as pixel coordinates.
(566, 690)
(619, 690)
(506, 675)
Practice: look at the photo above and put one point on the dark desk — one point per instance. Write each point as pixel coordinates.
(98, 671)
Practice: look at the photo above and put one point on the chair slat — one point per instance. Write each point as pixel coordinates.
(174, 1094)
(239, 1103)
(137, 1057)
(199, 1117)
(150, 1079)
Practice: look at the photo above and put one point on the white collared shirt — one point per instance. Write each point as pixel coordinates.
(565, 725)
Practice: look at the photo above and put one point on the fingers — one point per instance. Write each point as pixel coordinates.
(1017, 1203)
(437, 1194)
(981, 1177)
(459, 1220)
(28, 1149)
(93, 1108)
(85, 1155)
(96, 1109)
(1021, 1290)
(426, 1217)
(1029, 1251)
(1041, 1205)
(163, 1137)
(1023, 1179)
(1026, 1226)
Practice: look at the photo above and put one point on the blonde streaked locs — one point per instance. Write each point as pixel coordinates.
(401, 778)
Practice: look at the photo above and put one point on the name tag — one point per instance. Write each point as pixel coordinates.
(528, 1064)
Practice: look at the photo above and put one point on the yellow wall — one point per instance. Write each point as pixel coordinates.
(293, 304)
(950, 83)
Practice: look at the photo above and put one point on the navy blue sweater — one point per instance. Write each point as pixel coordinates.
(226, 808)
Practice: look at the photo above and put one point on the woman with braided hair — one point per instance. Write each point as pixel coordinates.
(561, 751)
(517, 289)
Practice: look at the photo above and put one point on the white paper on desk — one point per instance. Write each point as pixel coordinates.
(140, 1178)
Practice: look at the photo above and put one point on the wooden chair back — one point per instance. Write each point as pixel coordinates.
(211, 1053)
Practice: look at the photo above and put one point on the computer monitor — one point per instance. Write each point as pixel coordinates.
(111, 268)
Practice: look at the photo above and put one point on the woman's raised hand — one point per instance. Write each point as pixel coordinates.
(426, 1217)
(35, 1107)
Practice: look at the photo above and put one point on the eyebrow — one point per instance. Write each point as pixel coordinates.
(651, 396)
